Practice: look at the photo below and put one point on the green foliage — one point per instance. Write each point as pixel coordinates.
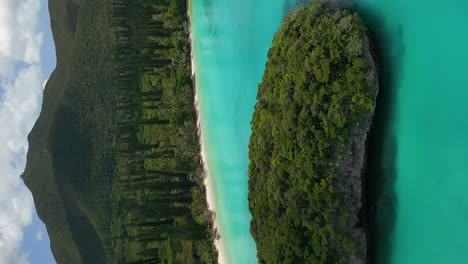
(69, 171)
(313, 90)
(160, 215)
(114, 163)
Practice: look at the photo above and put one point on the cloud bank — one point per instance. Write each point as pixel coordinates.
(20, 101)
(38, 234)
(19, 38)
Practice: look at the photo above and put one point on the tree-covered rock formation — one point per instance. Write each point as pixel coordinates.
(308, 147)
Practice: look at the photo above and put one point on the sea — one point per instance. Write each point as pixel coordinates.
(417, 180)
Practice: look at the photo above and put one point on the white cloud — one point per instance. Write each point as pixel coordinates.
(44, 84)
(39, 235)
(18, 110)
(20, 41)
(19, 38)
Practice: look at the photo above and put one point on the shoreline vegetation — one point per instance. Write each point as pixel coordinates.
(162, 127)
(308, 147)
(210, 198)
(115, 164)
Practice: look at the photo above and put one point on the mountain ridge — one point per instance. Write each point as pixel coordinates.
(41, 176)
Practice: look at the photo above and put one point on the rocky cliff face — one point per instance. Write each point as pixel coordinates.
(352, 169)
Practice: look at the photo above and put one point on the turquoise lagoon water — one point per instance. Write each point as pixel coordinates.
(419, 154)
(422, 209)
(231, 40)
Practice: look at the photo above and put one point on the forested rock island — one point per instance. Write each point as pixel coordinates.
(308, 146)
(114, 159)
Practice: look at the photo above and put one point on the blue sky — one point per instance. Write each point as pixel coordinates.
(27, 57)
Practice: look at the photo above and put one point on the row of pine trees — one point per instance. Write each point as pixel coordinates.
(157, 151)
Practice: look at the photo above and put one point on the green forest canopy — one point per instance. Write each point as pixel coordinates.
(316, 87)
(114, 163)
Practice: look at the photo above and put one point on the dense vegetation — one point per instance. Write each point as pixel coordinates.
(160, 212)
(114, 163)
(317, 88)
(69, 171)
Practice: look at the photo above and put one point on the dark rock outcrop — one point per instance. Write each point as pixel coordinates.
(352, 169)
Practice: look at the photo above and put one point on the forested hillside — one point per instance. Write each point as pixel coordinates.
(114, 163)
(307, 151)
(160, 212)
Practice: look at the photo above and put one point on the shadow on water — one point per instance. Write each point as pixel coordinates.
(380, 210)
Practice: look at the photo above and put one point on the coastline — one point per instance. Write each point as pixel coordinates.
(210, 196)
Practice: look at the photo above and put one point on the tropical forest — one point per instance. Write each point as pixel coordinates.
(233, 132)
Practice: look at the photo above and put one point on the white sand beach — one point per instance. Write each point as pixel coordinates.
(210, 196)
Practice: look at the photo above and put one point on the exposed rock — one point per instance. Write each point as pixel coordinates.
(351, 170)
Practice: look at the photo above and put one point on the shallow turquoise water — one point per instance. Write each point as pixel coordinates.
(425, 151)
(420, 147)
(231, 42)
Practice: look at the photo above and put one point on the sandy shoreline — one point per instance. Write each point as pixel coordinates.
(210, 196)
